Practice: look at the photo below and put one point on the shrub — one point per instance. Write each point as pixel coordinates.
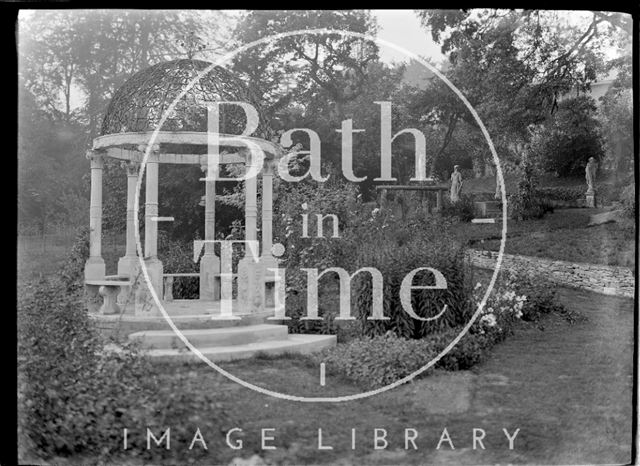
(72, 274)
(76, 395)
(394, 248)
(376, 361)
(373, 362)
(628, 199)
(375, 238)
(540, 296)
(565, 142)
(527, 202)
(177, 257)
(463, 210)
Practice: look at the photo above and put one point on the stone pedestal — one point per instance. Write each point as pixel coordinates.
(210, 277)
(94, 269)
(591, 199)
(272, 281)
(126, 265)
(251, 289)
(144, 302)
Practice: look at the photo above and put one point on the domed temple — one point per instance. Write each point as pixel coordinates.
(162, 114)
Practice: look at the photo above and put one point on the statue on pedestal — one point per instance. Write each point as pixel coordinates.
(590, 176)
(456, 184)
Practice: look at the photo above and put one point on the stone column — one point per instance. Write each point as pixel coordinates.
(151, 211)
(209, 263)
(94, 268)
(144, 302)
(270, 278)
(126, 264)
(267, 210)
(251, 207)
(250, 276)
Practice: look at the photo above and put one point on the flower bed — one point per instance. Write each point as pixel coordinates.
(381, 360)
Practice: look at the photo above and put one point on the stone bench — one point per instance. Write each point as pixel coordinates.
(109, 290)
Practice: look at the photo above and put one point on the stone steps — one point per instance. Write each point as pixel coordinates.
(295, 343)
(211, 337)
(225, 344)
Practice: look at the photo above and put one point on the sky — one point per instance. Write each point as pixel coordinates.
(403, 28)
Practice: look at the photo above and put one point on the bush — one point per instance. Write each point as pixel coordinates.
(628, 199)
(463, 210)
(525, 206)
(76, 395)
(375, 238)
(527, 202)
(177, 257)
(378, 361)
(394, 248)
(72, 275)
(605, 193)
(541, 296)
(566, 141)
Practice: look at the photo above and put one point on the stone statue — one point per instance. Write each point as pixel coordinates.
(456, 184)
(590, 175)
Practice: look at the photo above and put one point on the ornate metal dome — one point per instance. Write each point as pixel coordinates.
(138, 106)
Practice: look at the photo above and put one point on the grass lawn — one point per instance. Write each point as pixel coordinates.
(568, 389)
(36, 258)
(561, 235)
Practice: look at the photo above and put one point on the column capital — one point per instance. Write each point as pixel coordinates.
(96, 158)
(155, 148)
(132, 167)
(269, 167)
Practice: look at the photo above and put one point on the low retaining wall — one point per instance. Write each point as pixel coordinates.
(604, 279)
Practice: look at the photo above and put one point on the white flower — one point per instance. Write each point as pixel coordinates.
(478, 285)
(375, 211)
(489, 319)
(305, 206)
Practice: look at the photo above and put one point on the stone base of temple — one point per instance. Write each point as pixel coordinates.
(218, 340)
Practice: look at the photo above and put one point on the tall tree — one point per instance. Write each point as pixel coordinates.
(513, 66)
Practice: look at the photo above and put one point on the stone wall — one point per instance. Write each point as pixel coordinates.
(605, 279)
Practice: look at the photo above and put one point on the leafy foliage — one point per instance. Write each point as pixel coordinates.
(463, 210)
(527, 202)
(77, 394)
(568, 139)
(376, 361)
(399, 251)
(628, 198)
